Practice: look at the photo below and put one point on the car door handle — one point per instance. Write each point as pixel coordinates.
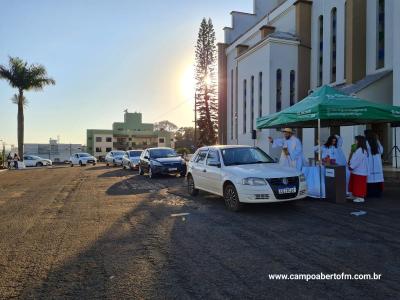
(204, 170)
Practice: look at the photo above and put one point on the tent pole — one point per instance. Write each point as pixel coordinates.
(319, 159)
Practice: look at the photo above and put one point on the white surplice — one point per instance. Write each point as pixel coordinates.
(375, 169)
(295, 158)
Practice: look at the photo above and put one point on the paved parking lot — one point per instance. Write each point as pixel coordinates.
(100, 232)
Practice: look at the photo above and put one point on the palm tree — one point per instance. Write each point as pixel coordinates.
(24, 78)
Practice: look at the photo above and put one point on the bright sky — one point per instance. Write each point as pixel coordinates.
(105, 56)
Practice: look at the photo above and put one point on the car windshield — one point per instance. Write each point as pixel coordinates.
(119, 153)
(162, 153)
(245, 156)
(135, 153)
(35, 157)
(84, 155)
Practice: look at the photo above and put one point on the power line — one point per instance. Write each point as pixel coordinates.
(171, 110)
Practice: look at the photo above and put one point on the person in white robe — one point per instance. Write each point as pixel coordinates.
(375, 178)
(359, 170)
(292, 149)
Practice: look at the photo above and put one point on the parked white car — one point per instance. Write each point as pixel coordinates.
(36, 161)
(82, 159)
(114, 158)
(243, 174)
(131, 159)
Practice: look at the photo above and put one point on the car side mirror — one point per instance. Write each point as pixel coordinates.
(146, 157)
(214, 164)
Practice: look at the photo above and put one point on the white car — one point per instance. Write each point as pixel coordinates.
(131, 159)
(82, 159)
(36, 161)
(243, 174)
(114, 158)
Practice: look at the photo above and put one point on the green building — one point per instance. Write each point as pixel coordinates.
(128, 135)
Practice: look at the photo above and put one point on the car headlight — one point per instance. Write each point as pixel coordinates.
(302, 178)
(254, 181)
(155, 163)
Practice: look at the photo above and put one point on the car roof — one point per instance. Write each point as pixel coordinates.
(155, 148)
(225, 147)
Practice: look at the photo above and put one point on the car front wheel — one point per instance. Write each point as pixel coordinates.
(231, 198)
(39, 164)
(140, 170)
(191, 187)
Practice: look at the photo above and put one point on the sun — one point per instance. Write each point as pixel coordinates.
(188, 85)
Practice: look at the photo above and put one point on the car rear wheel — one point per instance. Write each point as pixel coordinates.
(231, 198)
(191, 187)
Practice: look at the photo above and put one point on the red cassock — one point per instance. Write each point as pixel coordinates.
(358, 185)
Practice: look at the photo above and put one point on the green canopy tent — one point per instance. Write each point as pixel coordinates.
(332, 108)
(327, 107)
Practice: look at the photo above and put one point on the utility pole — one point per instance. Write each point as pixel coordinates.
(195, 120)
(3, 152)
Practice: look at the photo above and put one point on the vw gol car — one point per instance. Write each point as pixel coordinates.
(161, 161)
(243, 174)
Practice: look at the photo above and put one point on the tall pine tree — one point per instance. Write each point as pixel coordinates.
(206, 86)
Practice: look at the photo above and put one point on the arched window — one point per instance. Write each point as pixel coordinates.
(260, 90)
(380, 34)
(244, 105)
(333, 43)
(292, 87)
(278, 90)
(320, 49)
(252, 104)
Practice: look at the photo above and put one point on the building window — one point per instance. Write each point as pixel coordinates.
(161, 140)
(292, 87)
(260, 87)
(244, 105)
(236, 102)
(380, 32)
(320, 49)
(109, 140)
(98, 139)
(278, 90)
(98, 149)
(108, 149)
(333, 43)
(252, 104)
(232, 112)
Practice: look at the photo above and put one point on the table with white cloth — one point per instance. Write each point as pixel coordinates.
(315, 178)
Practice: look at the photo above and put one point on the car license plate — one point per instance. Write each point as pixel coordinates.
(173, 169)
(287, 190)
